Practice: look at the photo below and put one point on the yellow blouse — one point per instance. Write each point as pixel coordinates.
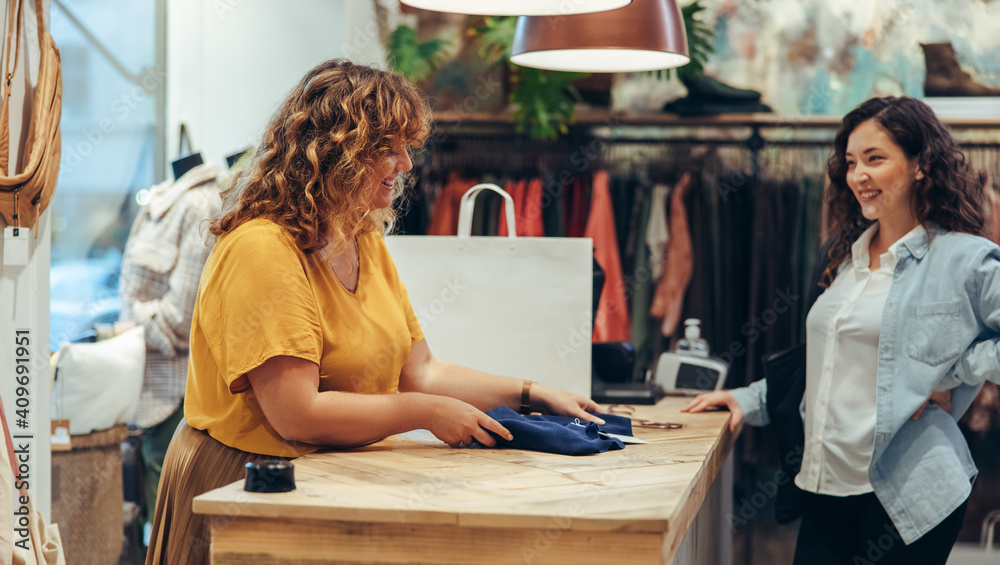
(261, 297)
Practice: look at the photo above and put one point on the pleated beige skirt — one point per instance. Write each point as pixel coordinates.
(195, 463)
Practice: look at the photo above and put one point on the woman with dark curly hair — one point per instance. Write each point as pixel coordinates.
(911, 309)
(303, 336)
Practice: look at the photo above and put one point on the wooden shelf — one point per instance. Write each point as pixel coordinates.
(596, 118)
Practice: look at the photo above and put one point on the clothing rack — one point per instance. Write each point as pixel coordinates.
(753, 161)
(490, 143)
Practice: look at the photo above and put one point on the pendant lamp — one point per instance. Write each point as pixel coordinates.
(646, 35)
(517, 7)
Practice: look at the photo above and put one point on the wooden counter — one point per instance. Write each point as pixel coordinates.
(412, 499)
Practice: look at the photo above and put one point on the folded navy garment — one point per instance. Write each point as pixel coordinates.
(559, 434)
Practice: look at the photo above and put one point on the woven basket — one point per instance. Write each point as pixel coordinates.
(87, 497)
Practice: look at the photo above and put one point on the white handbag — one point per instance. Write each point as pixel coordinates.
(97, 385)
(514, 306)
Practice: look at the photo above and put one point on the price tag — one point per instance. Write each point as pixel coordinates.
(16, 246)
(60, 438)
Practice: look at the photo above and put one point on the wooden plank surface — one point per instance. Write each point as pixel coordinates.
(262, 541)
(414, 478)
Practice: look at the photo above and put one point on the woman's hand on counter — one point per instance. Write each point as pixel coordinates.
(561, 403)
(717, 398)
(458, 423)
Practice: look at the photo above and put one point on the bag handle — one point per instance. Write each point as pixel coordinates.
(14, 21)
(468, 206)
(40, 22)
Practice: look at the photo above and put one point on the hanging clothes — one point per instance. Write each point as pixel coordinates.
(516, 190)
(732, 248)
(699, 298)
(611, 321)
(679, 263)
(414, 213)
(773, 300)
(807, 244)
(644, 328)
(161, 269)
(444, 219)
(532, 224)
(657, 231)
(634, 242)
(554, 211)
(623, 196)
(578, 210)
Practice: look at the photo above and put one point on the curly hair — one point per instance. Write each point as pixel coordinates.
(949, 194)
(314, 171)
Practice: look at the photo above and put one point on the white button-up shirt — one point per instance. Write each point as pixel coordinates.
(842, 331)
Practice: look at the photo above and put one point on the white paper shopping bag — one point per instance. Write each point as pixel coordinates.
(514, 306)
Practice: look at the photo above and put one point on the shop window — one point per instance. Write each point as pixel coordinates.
(113, 112)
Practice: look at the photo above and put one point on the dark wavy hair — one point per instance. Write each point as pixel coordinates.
(314, 171)
(949, 194)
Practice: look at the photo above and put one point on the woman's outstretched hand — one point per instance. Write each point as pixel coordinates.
(561, 403)
(717, 398)
(459, 423)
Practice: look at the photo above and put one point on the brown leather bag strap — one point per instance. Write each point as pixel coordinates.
(8, 71)
(13, 19)
(40, 19)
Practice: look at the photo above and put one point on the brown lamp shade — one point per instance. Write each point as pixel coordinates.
(646, 35)
(517, 7)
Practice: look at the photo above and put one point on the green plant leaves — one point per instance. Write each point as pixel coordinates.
(701, 41)
(701, 44)
(545, 100)
(496, 36)
(415, 61)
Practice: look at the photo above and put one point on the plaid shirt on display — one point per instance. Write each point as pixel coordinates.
(165, 254)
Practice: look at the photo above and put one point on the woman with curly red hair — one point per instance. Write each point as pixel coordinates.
(303, 336)
(911, 308)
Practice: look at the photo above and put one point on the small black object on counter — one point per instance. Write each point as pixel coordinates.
(270, 475)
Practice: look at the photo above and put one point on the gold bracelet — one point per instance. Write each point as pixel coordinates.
(526, 397)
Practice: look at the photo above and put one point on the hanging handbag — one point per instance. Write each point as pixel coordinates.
(25, 195)
(43, 544)
(785, 372)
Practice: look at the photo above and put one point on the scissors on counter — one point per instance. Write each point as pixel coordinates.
(628, 411)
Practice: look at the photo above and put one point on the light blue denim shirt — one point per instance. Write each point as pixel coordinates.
(940, 330)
